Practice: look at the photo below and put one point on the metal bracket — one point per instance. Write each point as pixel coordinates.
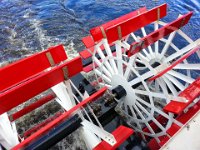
(106, 136)
(158, 14)
(119, 32)
(182, 23)
(65, 72)
(103, 32)
(50, 58)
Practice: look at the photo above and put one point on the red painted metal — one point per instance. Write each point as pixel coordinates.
(16, 72)
(96, 32)
(160, 33)
(59, 119)
(185, 117)
(88, 41)
(153, 144)
(175, 63)
(32, 106)
(39, 126)
(190, 93)
(120, 134)
(21, 93)
(130, 24)
(173, 129)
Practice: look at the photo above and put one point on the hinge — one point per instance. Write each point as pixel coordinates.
(50, 58)
(65, 72)
(119, 32)
(103, 32)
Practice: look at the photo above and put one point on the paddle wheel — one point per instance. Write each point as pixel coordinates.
(145, 66)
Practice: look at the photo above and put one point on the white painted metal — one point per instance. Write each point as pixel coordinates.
(106, 136)
(8, 132)
(187, 137)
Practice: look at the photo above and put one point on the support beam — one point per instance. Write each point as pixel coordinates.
(19, 71)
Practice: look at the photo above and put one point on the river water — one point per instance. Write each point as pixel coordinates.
(27, 26)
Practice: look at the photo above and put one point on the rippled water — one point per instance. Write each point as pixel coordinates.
(27, 26)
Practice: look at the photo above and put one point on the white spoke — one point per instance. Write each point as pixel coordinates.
(139, 113)
(107, 85)
(99, 51)
(149, 47)
(128, 70)
(170, 86)
(146, 53)
(181, 76)
(156, 43)
(154, 94)
(119, 57)
(144, 59)
(175, 81)
(167, 44)
(134, 37)
(188, 66)
(158, 124)
(101, 66)
(109, 53)
(185, 36)
(181, 52)
(143, 102)
(138, 60)
(151, 106)
(142, 77)
(104, 77)
(142, 108)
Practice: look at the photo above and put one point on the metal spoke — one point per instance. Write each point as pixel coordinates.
(101, 66)
(167, 44)
(156, 25)
(99, 51)
(119, 56)
(175, 81)
(181, 76)
(188, 66)
(103, 76)
(181, 52)
(109, 53)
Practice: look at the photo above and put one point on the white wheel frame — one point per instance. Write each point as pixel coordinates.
(112, 70)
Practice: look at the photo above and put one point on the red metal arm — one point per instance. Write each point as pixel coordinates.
(160, 33)
(16, 72)
(21, 93)
(130, 24)
(60, 119)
